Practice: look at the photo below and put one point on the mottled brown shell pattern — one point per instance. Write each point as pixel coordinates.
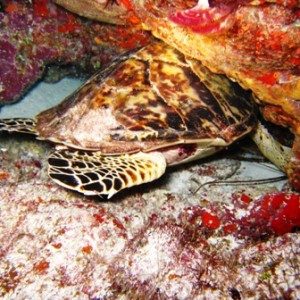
(147, 100)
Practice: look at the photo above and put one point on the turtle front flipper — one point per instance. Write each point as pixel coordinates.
(24, 125)
(93, 173)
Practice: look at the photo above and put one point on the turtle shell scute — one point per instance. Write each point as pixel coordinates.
(146, 100)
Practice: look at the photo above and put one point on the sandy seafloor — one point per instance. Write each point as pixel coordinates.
(150, 242)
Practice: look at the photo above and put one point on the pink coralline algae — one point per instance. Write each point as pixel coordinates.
(37, 33)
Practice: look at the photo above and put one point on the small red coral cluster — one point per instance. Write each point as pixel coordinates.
(273, 213)
(210, 221)
(277, 213)
(282, 211)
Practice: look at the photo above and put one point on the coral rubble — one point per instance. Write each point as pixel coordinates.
(149, 243)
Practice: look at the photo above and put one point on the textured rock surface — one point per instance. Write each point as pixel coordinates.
(38, 33)
(160, 241)
(173, 239)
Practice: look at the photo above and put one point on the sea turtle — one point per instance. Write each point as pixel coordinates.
(255, 43)
(146, 110)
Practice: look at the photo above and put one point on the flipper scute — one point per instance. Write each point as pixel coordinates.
(24, 125)
(92, 173)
